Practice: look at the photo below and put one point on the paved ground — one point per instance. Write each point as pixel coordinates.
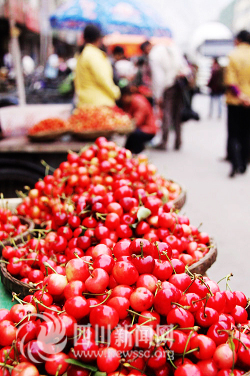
(220, 203)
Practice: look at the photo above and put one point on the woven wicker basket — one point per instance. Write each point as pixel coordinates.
(22, 237)
(180, 201)
(90, 135)
(201, 266)
(12, 284)
(47, 136)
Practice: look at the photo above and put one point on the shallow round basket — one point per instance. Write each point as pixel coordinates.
(179, 202)
(201, 266)
(90, 135)
(47, 136)
(22, 237)
(12, 284)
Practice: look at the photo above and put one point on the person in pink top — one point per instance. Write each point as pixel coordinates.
(141, 111)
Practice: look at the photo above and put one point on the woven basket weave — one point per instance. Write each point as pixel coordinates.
(12, 284)
(22, 237)
(201, 266)
(180, 201)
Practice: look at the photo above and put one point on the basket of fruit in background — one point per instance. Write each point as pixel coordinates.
(14, 229)
(90, 122)
(49, 129)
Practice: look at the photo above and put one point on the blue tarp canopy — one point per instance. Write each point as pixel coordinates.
(125, 17)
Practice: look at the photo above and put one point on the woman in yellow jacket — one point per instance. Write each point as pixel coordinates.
(94, 74)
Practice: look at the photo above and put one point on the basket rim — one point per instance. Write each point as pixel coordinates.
(43, 136)
(31, 226)
(179, 201)
(6, 275)
(210, 257)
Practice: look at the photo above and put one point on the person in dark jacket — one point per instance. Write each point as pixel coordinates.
(216, 86)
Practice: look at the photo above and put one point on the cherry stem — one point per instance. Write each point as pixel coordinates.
(46, 264)
(201, 224)
(107, 297)
(23, 319)
(141, 245)
(43, 305)
(161, 338)
(47, 166)
(181, 306)
(204, 283)
(248, 303)
(232, 345)
(171, 362)
(205, 305)
(4, 261)
(193, 350)
(86, 262)
(7, 356)
(18, 299)
(133, 320)
(138, 314)
(15, 262)
(101, 216)
(159, 253)
(185, 349)
(129, 366)
(166, 254)
(6, 365)
(184, 292)
(194, 328)
(227, 278)
(58, 370)
(198, 300)
(1, 243)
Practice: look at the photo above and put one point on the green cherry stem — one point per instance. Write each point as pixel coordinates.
(46, 264)
(6, 365)
(107, 297)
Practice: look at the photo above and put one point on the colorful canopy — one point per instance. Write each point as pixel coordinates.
(126, 17)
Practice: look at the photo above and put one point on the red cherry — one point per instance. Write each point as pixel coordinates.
(206, 346)
(141, 299)
(56, 364)
(224, 357)
(108, 360)
(188, 370)
(97, 282)
(121, 305)
(122, 340)
(125, 273)
(104, 316)
(163, 301)
(77, 307)
(77, 270)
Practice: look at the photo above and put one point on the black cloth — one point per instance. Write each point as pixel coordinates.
(238, 123)
(136, 141)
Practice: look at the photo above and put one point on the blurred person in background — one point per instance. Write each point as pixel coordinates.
(168, 69)
(140, 110)
(122, 67)
(217, 87)
(94, 75)
(52, 66)
(28, 65)
(237, 81)
(140, 83)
